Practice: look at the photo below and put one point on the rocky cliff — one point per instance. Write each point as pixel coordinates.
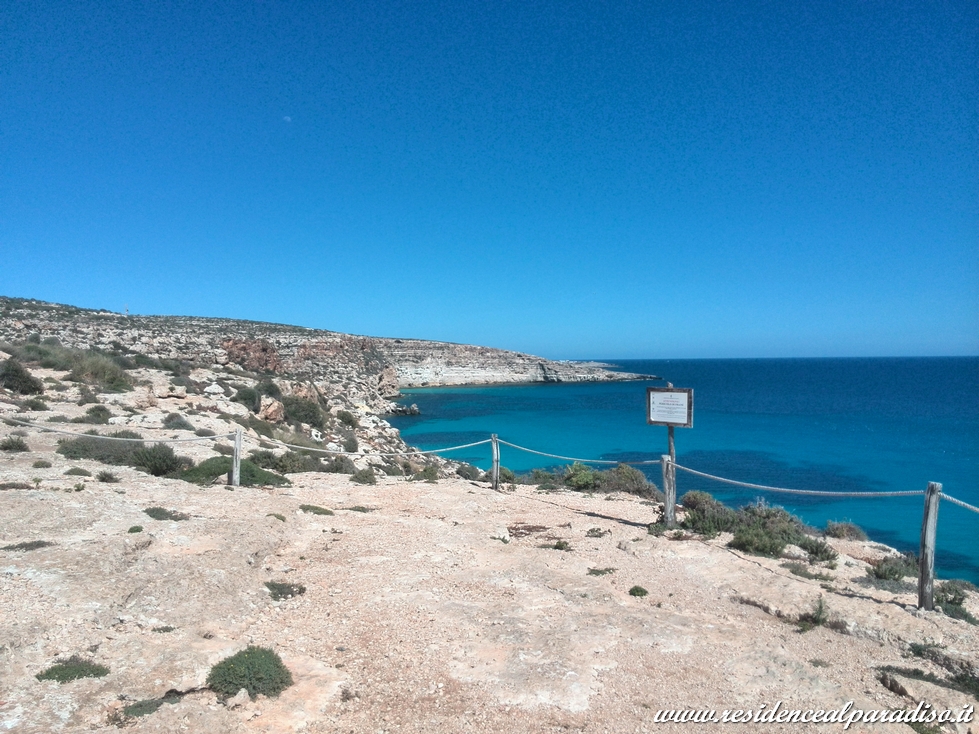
(365, 370)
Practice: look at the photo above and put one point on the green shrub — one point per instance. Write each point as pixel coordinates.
(951, 596)
(638, 591)
(800, 569)
(116, 453)
(204, 432)
(281, 590)
(256, 669)
(339, 465)
(224, 449)
(159, 460)
(757, 541)
(707, 516)
(816, 618)
(176, 422)
(364, 476)
(582, 478)
(16, 378)
(94, 368)
(149, 705)
(248, 397)
(348, 419)
(429, 473)
(76, 471)
(304, 411)
(34, 404)
(291, 462)
(72, 669)
(107, 477)
(267, 387)
(251, 474)
(625, 478)
(135, 529)
(315, 510)
(894, 568)
(468, 471)
(350, 444)
(96, 415)
(14, 443)
(161, 513)
(845, 531)
(28, 545)
(600, 571)
(819, 550)
(41, 464)
(277, 516)
(86, 396)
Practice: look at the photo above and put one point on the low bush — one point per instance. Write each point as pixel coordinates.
(429, 474)
(845, 531)
(951, 596)
(176, 422)
(816, 618)
(161, 513)
(582, 478)
(625, 478)
(204, 432)
(76, 471)
(800, 569)
(248, 397)
(819, 550)
(315, 510)
(291, 462)
(251, 474)
(339, 465)
(707, 516)
(278, 516)
(468, 471)
(350, 444)
(86, 396)
(348, 419)
(116, 453)
(97, 369)
(72, 669)
(135, 529)
(364, 476)
(638, 591)
(894, 568)
(159, 460)
(97, 415)
(107, 477)
(28, 545)
(15, 377)
(224, 449)
(41, 464)
(35, 404)
(304, 411)
(280, 590)
(256, 669)
(600, 571)
(149, 705)
(14, 443)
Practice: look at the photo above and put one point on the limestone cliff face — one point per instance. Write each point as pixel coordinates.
(366, 371)
(420, 363)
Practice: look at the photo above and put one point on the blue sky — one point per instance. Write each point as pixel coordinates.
(657, 179)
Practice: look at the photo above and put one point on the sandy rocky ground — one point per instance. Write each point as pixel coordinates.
(438, 610)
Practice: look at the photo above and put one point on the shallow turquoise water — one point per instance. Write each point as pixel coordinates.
(827, 424)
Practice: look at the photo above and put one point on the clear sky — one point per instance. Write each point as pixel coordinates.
(570, 179)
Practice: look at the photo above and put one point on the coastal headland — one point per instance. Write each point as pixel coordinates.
(417, 600)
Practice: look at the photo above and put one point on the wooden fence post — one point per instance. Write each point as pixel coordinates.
(926, 561)
(236, 460)
(496, 463)
(669, 489)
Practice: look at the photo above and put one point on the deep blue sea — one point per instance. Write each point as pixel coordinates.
(828, 424)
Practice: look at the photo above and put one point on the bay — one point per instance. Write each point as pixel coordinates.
(843, 425)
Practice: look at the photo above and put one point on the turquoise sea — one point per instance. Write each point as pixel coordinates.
(827, 424)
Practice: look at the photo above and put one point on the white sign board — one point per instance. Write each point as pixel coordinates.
(669, 406)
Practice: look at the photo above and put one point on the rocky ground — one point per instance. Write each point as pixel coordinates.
(428, 607)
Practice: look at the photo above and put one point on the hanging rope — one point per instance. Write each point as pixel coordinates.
(571, 458)
(797, 491)
(960, 503)
(47, 429)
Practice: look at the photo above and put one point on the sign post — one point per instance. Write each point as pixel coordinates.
(671, 407)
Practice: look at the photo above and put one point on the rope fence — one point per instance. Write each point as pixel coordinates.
(669, 466)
